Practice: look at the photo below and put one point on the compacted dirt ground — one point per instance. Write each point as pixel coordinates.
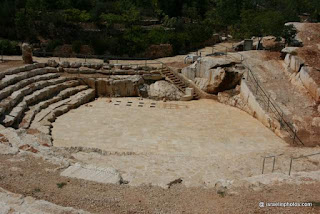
(10, 64)
(30, 176)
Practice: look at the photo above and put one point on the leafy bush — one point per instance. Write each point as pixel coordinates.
(112, 19)
(53, 44)
(76, 15)
(9, 47)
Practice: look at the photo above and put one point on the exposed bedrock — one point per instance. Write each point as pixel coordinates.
(214, 75)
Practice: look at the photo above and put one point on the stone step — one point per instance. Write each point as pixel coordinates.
(21, 69)
(75, 101)
(43, 120)
(34, 98)
(14, 78)
(33, 110)
(11, 101)
(7, 91)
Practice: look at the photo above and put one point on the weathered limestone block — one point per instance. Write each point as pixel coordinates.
(85, 70)
(119, 86)
(189, 72)
(202, 83)
(296, 63)
(75, 65)
(152, 77)
(124, 72)
(107, 67)
(52, 70)
(101, 87)
(96, 66)
(309, 83)
(126, 67)
(91, 82)
(52, 63)
(217, 80)
(208, 63)
(105, 72)
(72, 70)
(65, 64)
(27, 53)
(93, 173)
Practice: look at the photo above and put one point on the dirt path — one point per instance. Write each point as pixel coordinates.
(168, 60)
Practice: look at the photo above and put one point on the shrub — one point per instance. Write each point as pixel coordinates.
(53, 44)
(76, 46)
(61, 185)
(76, 15)
(9, 47)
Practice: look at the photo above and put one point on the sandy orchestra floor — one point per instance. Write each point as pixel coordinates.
(156, 142)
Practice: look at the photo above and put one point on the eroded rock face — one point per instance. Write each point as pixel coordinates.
(27, 53)
(164, 90)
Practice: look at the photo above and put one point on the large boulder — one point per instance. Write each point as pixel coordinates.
(163, 89)
(207, 63)
(27, 53)
(219, 79)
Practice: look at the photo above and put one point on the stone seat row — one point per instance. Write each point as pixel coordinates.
(37, 96)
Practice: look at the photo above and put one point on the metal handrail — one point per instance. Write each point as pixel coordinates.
(296, 158)
(274, 162)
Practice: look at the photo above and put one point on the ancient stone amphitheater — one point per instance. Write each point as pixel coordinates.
(33, 96)
(142, 134)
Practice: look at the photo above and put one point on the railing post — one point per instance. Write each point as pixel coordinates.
(281, 120)
(294, 136)
(264, 160)
(290, 166)
(274, 163)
